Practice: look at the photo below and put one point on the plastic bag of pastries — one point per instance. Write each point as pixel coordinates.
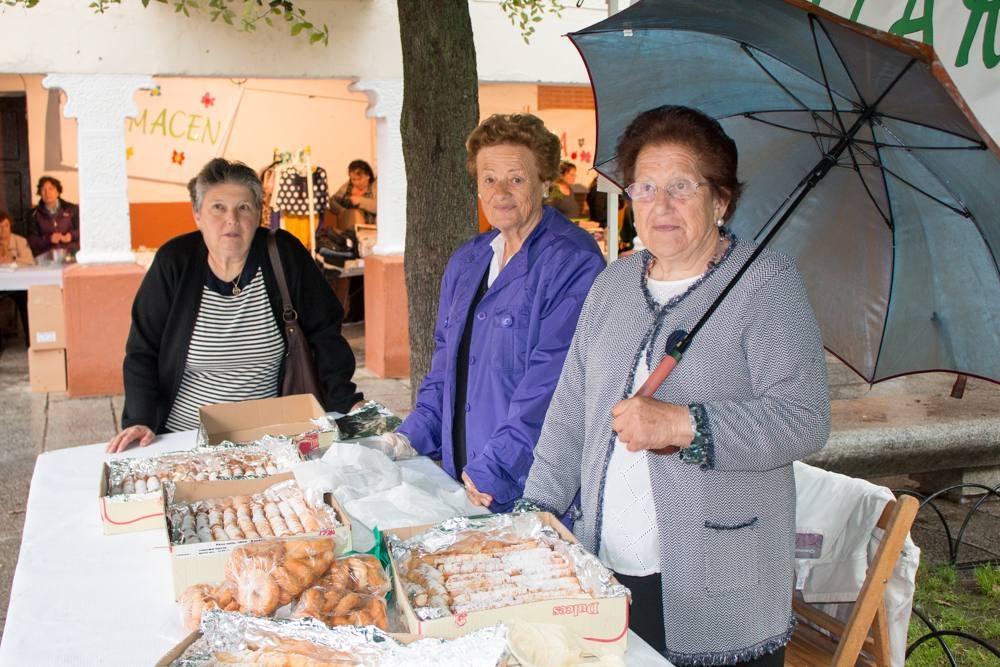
(271, 573)
(352, 592)
(199, 598)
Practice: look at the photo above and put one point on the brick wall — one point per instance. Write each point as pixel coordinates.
(565, 97)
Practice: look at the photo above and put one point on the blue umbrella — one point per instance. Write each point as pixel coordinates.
(860, 158)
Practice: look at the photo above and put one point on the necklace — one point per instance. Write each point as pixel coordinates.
(236, 286)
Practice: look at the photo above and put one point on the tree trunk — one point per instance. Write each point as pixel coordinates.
(440, 109)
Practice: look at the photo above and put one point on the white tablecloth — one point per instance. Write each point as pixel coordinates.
(22, 277)
(81, 597)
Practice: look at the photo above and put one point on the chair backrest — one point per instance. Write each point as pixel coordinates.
(842, 643)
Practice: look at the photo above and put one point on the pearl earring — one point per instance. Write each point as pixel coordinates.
(720, 222)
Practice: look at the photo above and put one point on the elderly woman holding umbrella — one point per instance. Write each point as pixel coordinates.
(509, 303)
(703, 537)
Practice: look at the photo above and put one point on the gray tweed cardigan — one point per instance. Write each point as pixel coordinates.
(726, 527)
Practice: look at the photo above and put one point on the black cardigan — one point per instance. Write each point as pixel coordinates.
(166, 308)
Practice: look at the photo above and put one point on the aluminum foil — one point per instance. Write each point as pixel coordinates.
(140, 478)
(236, 634)
(595, 578)
(370, 419)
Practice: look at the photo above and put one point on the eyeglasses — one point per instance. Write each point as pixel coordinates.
(679, 188)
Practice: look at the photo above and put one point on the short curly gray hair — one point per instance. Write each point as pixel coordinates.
(523, 129)
(219, 171)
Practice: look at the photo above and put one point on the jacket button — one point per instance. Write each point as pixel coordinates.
(468, 407)
(472, 359)
(507, 321)
(447, 320)
(480, 316)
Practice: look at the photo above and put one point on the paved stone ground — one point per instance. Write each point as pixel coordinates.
(35, 423)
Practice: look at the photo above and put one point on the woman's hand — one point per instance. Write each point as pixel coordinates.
(55, 238)
(475, 496)
(645, 423)
(127, 436)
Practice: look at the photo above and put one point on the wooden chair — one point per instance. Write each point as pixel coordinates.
(864, 638)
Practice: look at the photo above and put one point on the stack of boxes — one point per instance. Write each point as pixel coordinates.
(47, 329)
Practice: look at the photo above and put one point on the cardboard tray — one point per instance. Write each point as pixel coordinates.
(601, 621)
(205, 562)
(248, 421)
(118, 516)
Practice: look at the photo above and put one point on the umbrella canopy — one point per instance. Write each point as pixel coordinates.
(859, 156)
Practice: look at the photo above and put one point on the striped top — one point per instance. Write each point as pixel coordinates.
(235, 353)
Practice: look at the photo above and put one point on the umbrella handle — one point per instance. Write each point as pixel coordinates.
(652, 383)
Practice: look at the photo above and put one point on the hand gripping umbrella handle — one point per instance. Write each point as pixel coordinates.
(659, 376)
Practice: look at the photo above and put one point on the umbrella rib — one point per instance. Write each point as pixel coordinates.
(977, 143)
(857, 170)
(805, 107)
(819, 135)
(826, 80)
(964, 212)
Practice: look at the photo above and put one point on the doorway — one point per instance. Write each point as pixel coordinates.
(15, 186)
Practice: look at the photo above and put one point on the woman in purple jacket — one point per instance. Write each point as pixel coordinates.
(55, 222)
(510, 299)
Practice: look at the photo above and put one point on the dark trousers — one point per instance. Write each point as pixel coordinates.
(645, 618)
(20, 299)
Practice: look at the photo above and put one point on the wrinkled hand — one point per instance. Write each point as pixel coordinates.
(394, 445)
(127, 436)
(646, 423)
(475, 496)
(56, 237)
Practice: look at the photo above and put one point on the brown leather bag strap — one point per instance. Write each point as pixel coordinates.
(288, 313)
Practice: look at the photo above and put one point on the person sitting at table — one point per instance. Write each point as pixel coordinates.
(14, 250)
(509, 303)
(358, 198)
(561, 196)
(207, 319)
(54, 222)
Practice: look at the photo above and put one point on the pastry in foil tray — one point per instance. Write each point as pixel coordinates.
(352, 592)
(473, 564)
(279, 511)
(226, 461)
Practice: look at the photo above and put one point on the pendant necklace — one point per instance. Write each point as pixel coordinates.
(236, 283)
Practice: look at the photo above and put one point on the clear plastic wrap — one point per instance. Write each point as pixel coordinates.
(370, 419)
(470, 564)
(232, 638)
(137, 478)
(279, 511)
(352, 592)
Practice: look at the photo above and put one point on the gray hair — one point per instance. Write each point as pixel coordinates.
(219, 171)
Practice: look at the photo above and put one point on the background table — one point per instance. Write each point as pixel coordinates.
(22, 277)
(82, 597)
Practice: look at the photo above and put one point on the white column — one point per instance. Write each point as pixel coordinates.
(611, 231)
(101, 103)
(385, 98)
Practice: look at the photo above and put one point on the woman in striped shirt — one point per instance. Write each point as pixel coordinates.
(206, 321)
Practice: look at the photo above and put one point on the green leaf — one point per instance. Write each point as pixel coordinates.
(297, 28)
(317, 37)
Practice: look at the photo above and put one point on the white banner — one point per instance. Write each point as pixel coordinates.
(181, 124)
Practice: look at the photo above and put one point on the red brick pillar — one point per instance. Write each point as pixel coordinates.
(97, 299)
(387, 330)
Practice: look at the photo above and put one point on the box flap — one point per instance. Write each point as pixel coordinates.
(247, 421)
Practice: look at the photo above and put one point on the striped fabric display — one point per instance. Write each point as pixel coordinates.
(235, 353)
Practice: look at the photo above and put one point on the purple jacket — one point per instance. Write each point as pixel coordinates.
(41, 227)
(522, 329)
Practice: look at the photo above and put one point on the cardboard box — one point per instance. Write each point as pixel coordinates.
(601, 621)
(118, 516)
(47, 369)
(46, 320)
(205, 562)
(248, 421)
